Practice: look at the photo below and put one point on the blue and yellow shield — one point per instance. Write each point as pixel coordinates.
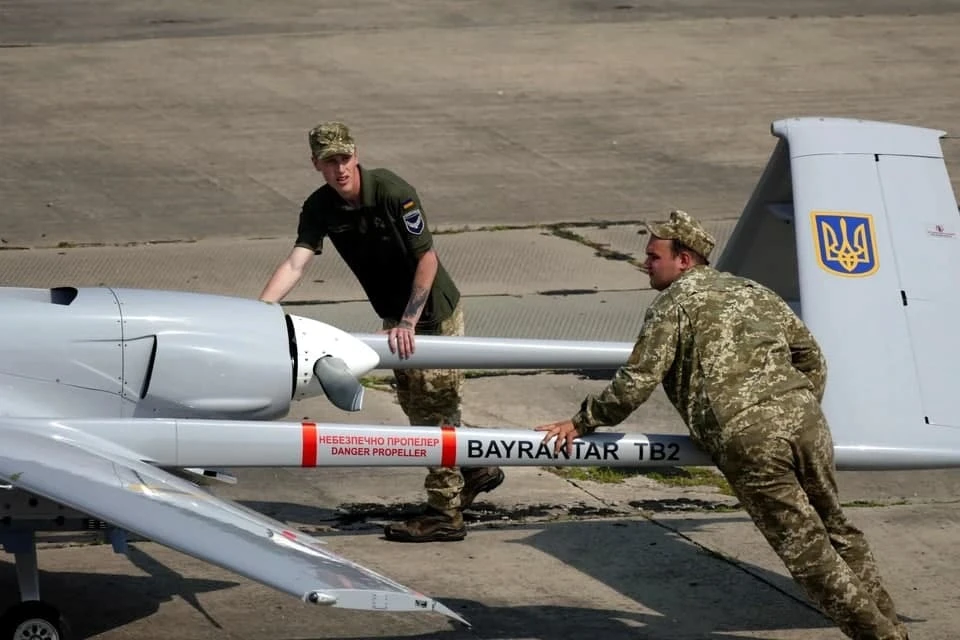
(846, 243)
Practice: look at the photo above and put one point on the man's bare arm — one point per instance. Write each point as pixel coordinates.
(287, 275)
(420, 291)
(400, 339)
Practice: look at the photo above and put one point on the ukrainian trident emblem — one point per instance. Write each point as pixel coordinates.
(845, 243)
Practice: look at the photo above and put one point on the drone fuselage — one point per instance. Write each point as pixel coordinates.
(102, 352)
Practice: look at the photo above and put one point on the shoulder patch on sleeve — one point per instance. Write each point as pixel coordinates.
(408, 204)
(413, 221)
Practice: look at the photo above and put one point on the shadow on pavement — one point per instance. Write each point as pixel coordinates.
(94, 603)
(666, 585)
(681, 589)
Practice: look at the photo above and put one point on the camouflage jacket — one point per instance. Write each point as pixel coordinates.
(724, 347)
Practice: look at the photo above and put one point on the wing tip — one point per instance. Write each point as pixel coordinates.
(319, 597)
(387, 601)
(450, 613)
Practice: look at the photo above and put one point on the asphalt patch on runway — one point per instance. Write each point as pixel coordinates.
(361, 516)
(671, 505)
(365, 515)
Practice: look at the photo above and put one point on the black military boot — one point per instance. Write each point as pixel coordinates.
(478, 480)
(433, 526)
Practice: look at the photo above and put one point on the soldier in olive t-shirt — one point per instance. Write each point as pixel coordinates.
(382, 241)
(376, 222)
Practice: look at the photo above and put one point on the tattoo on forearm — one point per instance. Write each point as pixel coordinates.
(415, 306)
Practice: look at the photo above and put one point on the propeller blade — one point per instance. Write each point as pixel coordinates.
(340, 386)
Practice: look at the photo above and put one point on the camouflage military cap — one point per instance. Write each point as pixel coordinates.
(682, 227)
(330, 139)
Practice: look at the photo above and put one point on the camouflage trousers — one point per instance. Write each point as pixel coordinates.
(783, 474)
(432, 397)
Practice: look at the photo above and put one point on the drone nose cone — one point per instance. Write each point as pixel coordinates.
(315, 340)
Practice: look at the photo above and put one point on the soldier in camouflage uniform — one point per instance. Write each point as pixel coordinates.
(375, 220)
(747, 377)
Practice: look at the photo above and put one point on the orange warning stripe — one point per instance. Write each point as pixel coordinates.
(448, 446)
(308, 456)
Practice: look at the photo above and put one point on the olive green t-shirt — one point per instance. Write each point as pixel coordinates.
(381, 241)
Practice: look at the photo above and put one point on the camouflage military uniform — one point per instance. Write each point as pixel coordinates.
(382, 241)
(433, 397)
(746, 376)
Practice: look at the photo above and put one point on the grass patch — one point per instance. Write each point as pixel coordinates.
(472, 374)
(691, 477)
(671, 476)
(606, 475)
(380, 383)
(387, 381)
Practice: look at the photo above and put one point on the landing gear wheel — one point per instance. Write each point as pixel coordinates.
(33, 620)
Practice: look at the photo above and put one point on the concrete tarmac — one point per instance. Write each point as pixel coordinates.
(163, 145)
(144, 122)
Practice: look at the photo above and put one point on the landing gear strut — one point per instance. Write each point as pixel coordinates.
(31, 619)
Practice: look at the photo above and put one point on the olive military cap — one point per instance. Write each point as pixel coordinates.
(683, 228)
(331, 139)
